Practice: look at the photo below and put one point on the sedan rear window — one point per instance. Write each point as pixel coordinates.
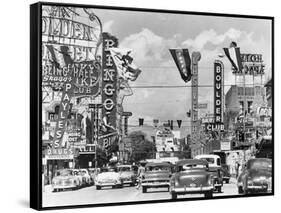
(157, 168)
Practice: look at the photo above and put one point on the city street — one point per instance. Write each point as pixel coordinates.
(90, 195)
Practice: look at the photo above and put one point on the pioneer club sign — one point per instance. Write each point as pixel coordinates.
(252, 65)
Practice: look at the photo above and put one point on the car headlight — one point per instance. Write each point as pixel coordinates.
(210, 180)
(249, 181)
(55, 182)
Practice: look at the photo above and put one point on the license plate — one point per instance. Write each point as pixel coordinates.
(192, 185)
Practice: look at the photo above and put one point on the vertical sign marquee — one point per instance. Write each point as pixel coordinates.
(109, 88)
(218, 92)
(196, 56)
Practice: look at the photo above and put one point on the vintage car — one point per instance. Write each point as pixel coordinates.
(87, 180)
(108, 177)
(65, 179)
(191, 176)
(217, 178)
(256, 176)
(127, 174)
(156, 175)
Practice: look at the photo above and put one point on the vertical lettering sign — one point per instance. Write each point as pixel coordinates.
(70, 38)
(109, 86)
(218, 71)
(196, 56)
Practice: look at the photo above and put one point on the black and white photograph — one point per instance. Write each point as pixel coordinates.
(142, 105)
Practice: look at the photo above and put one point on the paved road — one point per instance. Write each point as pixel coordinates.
(90, 195)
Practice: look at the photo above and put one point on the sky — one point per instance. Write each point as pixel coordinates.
(151, 34)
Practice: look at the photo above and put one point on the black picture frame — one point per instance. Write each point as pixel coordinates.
(36, 153)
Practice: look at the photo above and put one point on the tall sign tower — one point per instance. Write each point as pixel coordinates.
(196, 56)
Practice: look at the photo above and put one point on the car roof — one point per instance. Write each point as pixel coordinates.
(260, 159)
(207, 156)
(124, 166)
(191, 161)
(158, 164)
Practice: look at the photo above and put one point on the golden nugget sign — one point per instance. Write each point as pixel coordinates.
(73, 35)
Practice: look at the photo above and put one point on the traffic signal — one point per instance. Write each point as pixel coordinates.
(241, 136)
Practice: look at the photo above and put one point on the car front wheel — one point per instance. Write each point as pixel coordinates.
(98, 187)
(240, 190)
(144, 189)
(208, 194)
(174, 196)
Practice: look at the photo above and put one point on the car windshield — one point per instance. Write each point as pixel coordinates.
(64, 173)
(210, 160)
(259, 164)
(124, 169)
(108, 170)
(188, 167)
(157, 168)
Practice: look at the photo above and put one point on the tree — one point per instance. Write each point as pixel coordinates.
(142, 148)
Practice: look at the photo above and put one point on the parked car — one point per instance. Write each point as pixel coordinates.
(65, 179)
(191, 176)
(156, 175)
(225, 174)
(127, 174)
(217, 178)
(256, 176)
(86, 177)
(108, 177)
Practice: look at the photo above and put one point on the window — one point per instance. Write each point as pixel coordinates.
(218, 161)
(250, 106)
(241, 105)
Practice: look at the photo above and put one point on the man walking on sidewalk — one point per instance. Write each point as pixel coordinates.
(140, 174)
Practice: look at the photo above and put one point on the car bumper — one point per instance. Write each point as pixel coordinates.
(108, 184)
(156, 184)
(262, 188)
(127, 181)
(186, 190)
(64, 186)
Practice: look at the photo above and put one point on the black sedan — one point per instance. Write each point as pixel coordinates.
(256, 176)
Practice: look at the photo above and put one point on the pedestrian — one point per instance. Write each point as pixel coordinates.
(140, 174)
(237, 166)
